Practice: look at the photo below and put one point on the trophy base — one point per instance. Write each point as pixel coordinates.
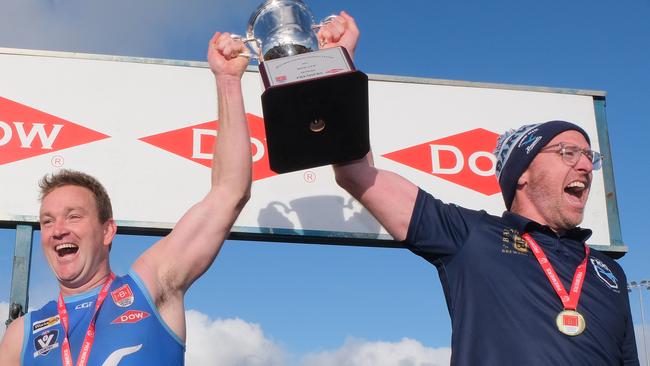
(317, 122)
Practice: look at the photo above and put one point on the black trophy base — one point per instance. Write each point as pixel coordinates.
(317, 122)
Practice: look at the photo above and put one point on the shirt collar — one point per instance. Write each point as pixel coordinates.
(524, 224)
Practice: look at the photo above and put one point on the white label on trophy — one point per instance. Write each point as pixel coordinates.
(306, 66)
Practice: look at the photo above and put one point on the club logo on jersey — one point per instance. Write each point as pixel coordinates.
(605, 274)
(46, 342)
(131, 316)
(123, 296)
(513, 243)
(45, 323)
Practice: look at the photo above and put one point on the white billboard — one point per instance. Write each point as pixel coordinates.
(142, 127)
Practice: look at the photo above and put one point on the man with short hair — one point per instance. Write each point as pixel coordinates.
(523, 288)
(138, 318)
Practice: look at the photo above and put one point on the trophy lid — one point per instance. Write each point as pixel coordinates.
(282, 28)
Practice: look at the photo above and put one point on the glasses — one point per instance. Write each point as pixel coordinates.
(571, 154)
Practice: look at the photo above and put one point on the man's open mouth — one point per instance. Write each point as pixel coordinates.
(66, 249)
(576, 189)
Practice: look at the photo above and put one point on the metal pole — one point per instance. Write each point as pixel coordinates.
(640, 286)
(645, 343)
(20, 274)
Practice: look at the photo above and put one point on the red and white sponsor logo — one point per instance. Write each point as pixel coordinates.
(123, 296)
(465, 159)
(131, 316)
(26, 132)
(196, 143)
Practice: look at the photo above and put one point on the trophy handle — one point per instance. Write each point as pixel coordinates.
(251, 51)
(323, 22)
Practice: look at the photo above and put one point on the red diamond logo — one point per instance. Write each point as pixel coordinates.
(465, 159)
(196, 143)
(26, 132)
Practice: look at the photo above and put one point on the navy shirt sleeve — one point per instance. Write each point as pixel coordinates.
(438, 229)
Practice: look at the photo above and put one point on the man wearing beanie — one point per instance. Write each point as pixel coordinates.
(522, 288)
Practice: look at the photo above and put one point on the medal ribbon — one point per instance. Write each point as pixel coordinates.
(89, 339)
(569, 301)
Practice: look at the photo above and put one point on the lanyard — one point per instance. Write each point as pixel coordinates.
(569, 301)
(89, 339)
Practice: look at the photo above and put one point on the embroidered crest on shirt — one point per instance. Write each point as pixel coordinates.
(605, 274)
(513, 243)
(123, 296)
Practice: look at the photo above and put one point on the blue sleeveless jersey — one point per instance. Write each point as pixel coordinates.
(128, 330)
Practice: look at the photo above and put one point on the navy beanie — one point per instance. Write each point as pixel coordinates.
(516, 149)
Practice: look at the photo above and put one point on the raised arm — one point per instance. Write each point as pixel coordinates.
(170, 266)
(388, 196)
(12, 342)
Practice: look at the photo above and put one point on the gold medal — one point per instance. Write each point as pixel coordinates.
(570, 322)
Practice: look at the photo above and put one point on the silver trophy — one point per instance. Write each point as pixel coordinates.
(315, 102)
(282, 28)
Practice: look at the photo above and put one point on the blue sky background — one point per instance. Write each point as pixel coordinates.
(308, 299)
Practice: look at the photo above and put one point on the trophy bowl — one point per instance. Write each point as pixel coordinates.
(282, 28)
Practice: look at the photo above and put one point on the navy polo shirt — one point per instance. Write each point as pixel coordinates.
(501, 304)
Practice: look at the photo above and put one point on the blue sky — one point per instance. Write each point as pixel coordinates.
(337, 301)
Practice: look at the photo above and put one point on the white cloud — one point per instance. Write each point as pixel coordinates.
(638, 330)
(228, 342)
(355, 352)
(4, 314)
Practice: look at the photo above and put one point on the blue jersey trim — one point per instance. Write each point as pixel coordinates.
(77, 297)
(154, 308)
(27, 327)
